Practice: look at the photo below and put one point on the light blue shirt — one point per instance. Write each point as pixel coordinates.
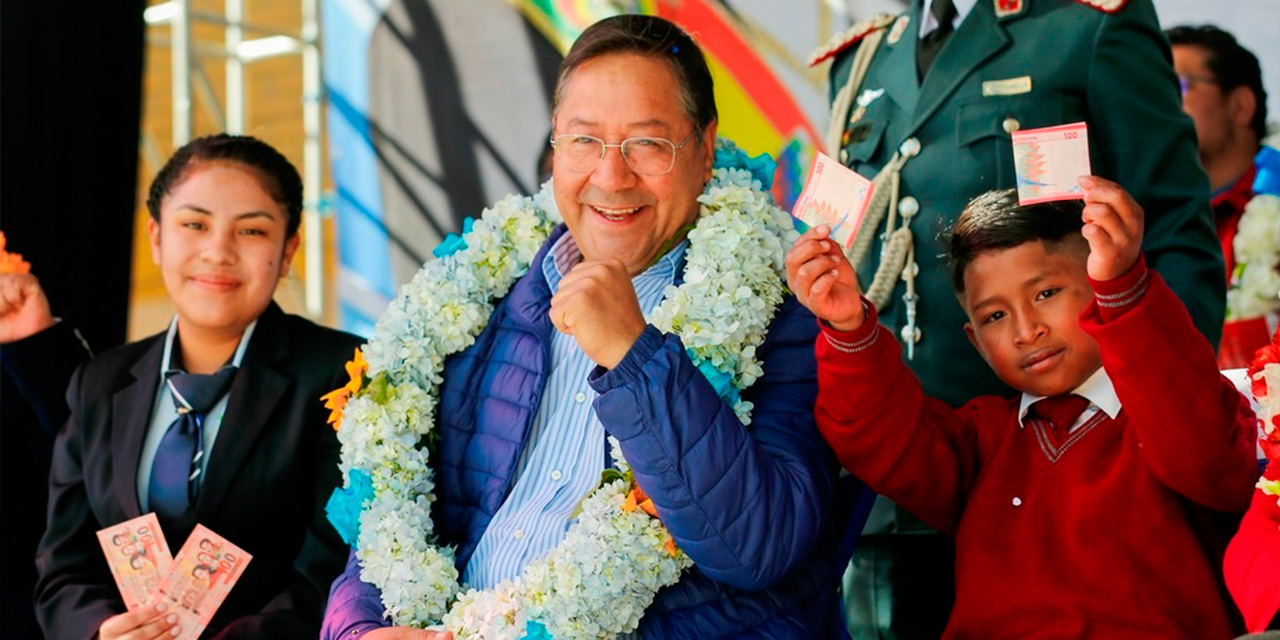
(565, 453)
(163, 414)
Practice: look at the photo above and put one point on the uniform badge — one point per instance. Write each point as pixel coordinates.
(864, 100)
(1006, 8)
(899, 28)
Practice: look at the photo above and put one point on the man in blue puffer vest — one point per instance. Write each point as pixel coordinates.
(568, 359)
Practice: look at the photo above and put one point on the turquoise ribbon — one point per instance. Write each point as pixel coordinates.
(453, 242)
(1268, 179)
(343, 507)
(761, 166)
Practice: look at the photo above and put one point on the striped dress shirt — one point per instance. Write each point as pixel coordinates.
(565, 453)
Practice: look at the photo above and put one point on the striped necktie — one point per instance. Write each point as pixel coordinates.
(175, 474)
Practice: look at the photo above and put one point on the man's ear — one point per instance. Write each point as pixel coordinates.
(1243, 104)
(709, 149)
(153, 235)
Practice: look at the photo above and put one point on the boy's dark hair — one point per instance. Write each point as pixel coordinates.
(1231, 65)
(995, 220)
(647, 36)
(278, 175)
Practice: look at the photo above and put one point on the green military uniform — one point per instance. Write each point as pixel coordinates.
(1012, 64)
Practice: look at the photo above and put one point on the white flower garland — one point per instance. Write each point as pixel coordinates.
(1255, 283)
(613, 560)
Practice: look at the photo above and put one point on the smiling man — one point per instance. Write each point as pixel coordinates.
(568, 358)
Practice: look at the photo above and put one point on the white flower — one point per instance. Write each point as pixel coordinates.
(1255, 285)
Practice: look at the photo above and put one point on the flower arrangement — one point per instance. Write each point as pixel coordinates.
(1255, 284)
(617, 555)
(1264, 381)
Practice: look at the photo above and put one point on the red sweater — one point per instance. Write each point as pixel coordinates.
(1111, 539)
(1253, 559)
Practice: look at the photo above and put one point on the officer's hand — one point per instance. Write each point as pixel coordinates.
(596, 304)
(24, 311)
(147, 623)
(1113, 227)
(406, 633)
(823, 280)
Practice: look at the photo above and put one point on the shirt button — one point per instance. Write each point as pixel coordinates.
(517, 534)
(1010, 125)
(581, 397)
(844, 156)
(1017, 502)
(910, 148)
(555, 475)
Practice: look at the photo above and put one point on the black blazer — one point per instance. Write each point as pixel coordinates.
(271, 469)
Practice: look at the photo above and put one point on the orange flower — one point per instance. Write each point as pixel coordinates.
(336, 400)
(671, 546)
(637, 498)
(12, 262)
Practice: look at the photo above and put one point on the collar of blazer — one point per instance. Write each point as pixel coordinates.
(256, 390)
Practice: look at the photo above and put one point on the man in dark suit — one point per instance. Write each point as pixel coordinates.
(928, 100)
(259, 460)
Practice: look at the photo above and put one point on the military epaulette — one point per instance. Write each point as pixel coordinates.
(1108, 6)
(850, 37)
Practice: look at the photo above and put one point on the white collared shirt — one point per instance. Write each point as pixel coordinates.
(928, 23)
(1097, 389)
(163, 414)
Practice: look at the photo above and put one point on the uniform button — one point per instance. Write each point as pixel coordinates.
(517, 534)
(908, 206)
(910, 148)
(1010, 125)
(581, 397)
(910, 334)
(1017, 502)
(910, 271)
(555, 475)
(844, 156)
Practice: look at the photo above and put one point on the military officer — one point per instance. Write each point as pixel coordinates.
(925, 102)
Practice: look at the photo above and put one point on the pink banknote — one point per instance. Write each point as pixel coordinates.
(836, 196)
(138, 556)
(1049, 161)
(203, 573)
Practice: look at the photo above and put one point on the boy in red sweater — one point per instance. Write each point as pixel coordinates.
(1092, 524)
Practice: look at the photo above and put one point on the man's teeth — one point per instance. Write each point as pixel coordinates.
(616, 214)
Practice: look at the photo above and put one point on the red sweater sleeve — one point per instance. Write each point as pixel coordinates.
(873, 412)
(1196, 431)
(1252, 563)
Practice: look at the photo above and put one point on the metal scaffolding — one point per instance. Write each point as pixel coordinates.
(238, 54)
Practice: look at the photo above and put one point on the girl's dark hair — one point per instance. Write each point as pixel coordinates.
(278, 175)
(995, 220)
(647, 36)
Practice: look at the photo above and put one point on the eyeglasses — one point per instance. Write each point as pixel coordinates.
(1187, 80)
(582, 153)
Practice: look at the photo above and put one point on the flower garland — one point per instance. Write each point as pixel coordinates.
(617, 555)
(1255, 282)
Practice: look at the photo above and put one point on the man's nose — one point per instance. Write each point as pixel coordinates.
(613, 172)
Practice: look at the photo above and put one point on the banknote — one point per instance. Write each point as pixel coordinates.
(836, 196)
(1048, 161)
(138, 556)
(203, 573)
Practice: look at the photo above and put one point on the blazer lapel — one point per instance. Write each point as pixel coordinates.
(979, 37)
(255, 392)
(130, 421)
